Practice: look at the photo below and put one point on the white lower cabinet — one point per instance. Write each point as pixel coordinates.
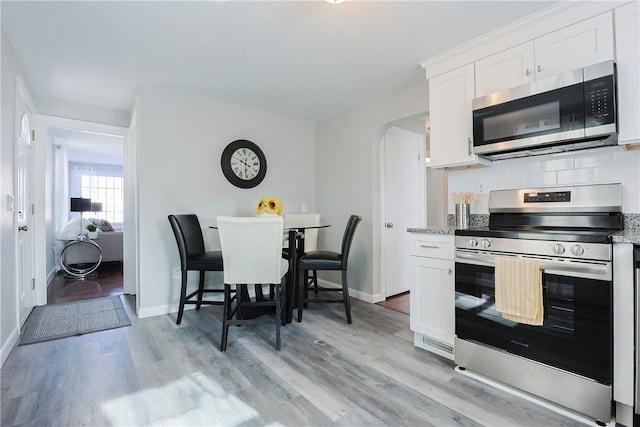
(432, 296)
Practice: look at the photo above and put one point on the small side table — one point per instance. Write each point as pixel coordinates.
(85, 269)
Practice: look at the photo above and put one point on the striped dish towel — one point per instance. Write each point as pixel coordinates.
(519, 290)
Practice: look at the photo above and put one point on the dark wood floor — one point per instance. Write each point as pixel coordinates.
(398, 302)
(328, 373)
(107, 282)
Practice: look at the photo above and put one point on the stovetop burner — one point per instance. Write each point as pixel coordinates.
(586, 236)
(584, 213)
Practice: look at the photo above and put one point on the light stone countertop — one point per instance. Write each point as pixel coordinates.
(631, 232)
(448, 230)
(629, 235)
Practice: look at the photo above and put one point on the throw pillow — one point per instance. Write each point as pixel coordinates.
(102, 224)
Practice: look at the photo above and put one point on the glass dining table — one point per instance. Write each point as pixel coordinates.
(295, 237)
(295, 232)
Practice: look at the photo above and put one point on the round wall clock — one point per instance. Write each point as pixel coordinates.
(243, 164)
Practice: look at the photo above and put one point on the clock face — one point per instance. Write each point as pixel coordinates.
(243, 164)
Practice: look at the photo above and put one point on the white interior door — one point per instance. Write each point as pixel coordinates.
(404, 204)
(24, 210)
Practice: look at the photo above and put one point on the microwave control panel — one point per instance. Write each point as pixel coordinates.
(599, 97)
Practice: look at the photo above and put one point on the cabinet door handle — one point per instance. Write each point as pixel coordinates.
(539, 69)
(430, 247)
(527, 72)
(450, 271)
(470, 146)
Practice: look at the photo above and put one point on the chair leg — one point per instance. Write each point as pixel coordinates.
(278, 314)
(183, 296)
(225, 317)
(306, 286)
(345, 296)
(200, 290)
(301, 293)
(314, 279)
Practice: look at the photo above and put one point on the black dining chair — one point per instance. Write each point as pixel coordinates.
(328, 260)
(193, 256)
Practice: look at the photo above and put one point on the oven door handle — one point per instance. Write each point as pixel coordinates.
(592, 270)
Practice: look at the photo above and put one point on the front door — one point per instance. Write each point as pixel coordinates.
(404, 204)
(24, 210)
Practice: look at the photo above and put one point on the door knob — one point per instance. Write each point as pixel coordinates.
(23, 228)
(388, 224)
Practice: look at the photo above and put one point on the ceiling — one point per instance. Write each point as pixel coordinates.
(89, 147)
(305, 59)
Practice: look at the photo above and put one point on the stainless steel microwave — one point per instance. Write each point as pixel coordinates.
(570, 111)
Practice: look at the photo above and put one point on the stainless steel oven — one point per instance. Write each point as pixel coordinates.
(568, 359)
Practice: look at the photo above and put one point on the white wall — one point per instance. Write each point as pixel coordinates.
(87, 113)
(181, 138)
(596, 166)
(8, 276)
(348, 173)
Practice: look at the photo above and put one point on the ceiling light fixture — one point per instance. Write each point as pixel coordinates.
(335, 1)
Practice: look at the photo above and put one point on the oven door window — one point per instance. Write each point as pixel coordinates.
(560, 110)
(577, 329)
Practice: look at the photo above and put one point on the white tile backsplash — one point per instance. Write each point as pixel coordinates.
(576, 176)
(597, 166)
(542, 179)
(594, 159)
(550, 163)
(626, 157)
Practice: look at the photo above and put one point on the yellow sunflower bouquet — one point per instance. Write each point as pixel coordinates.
(269, 205)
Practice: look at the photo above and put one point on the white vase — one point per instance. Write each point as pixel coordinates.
(92, 234)
(268, 214)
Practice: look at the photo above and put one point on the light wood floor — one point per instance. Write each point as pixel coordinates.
(328, 373)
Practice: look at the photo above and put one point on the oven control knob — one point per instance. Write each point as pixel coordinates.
(557, 249)
(472, 243)
(577, 250)
(485, 243)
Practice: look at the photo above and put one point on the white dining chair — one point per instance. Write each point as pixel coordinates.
(251, 254)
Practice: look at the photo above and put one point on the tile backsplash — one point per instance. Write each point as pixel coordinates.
(596, 166)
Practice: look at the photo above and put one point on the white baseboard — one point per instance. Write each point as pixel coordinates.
(158, 310)
(8, 345)
(372, 298)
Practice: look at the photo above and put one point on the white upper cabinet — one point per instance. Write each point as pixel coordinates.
(627, 20)
(579, 44)
(450, 96)
(576, 46)
(509, 68)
